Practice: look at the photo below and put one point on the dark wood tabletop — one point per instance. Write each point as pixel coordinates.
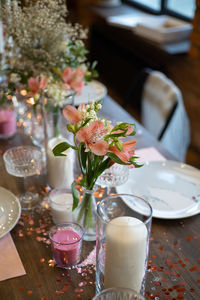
(174, 258)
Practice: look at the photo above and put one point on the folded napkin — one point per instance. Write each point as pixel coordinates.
(11, 265)
(148, 154)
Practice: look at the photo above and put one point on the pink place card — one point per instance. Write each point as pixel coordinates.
(148, 154)
(11, 265)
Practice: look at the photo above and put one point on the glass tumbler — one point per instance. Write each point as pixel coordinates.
(66, 242)
(118, 294)
(122, 243)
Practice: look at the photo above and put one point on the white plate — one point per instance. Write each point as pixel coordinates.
(10, 211)
(172, 188)
(92, 91)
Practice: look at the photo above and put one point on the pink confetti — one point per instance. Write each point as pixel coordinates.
(90, 260)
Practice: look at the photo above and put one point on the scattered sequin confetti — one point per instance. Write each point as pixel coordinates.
(29, 292)
(91, 259)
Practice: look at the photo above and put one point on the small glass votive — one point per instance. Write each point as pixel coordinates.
(7, 121)
(118, 294)
(61, 203)
(66, 243)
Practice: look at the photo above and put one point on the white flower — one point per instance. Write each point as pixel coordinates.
(99, 106)
(56, 94)
(15, 78)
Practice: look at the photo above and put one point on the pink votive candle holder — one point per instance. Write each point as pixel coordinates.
(7, 123)
(66, 243)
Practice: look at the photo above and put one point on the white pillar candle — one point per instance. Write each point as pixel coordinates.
(60, 169)
(126, 242)
(61, 204)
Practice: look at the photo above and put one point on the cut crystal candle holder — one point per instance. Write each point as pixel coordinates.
(118, 294)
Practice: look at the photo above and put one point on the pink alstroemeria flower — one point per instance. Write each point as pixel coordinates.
(92, 136)
(73, 79)
(72, 114)
(127, 151)
(36, 86)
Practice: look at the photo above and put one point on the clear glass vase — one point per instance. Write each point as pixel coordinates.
(86, 214)
(122, 243)
(45, 124)
(54, 119)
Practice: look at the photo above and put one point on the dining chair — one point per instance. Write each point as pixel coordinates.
(162, 111)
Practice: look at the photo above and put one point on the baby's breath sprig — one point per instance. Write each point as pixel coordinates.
(39, 40)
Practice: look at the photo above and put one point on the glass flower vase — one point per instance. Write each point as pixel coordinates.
(46, 124)
(55, 119)
(86, 214)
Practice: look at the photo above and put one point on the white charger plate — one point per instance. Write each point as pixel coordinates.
(10, 211)
(172, 188)
(92, 91)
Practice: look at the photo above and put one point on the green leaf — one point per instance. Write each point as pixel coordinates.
(103, 166)
(75, 196)
(94, 64)
(3, 99)
(137, 166)
(86, 121)
(116, 159)
(134, 130)
(113, 135)
(83, 155)
(58, 149)
(119, 145)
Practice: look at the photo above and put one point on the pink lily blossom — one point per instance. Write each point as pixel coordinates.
(73, 79)
(72, 114)
(36, 85)
(92, 136)
(127, 152)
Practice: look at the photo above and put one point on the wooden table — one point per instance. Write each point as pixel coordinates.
(174, 259)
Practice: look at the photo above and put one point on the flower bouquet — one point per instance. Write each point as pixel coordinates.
(42, 46)
(98, 144)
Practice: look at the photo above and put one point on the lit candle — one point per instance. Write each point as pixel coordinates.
(60, 169)
(61, 202)
(126, 243)
(66, 241)
(7, 122)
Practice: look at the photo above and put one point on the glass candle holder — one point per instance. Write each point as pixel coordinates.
(118, 294)
(7, 121)
(66, 243)
(122, 243)
(61, 203)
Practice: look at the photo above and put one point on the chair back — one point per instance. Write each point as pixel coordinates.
(164, 115)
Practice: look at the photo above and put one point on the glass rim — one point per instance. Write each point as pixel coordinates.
(59, 192)
(63, 225)
(33, 148)
(118, 289)
(121, 195)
